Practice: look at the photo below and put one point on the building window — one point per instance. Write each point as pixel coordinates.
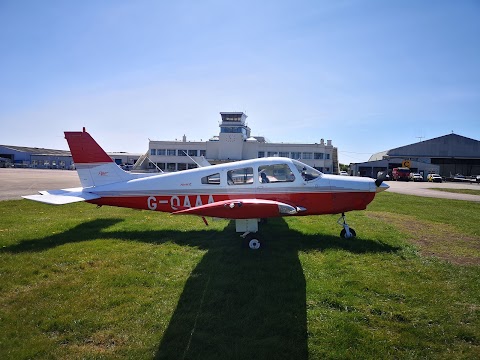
(261, 154)
(318, 156)
(240, 176)
(161, 166)
(153, 152)
(327, 169)
(192, 166)
(327, 156)
(161, 152)
(203, 153)
(182, 153)
(171, 152)
(295, 155)
(283, 154)
(171, 167)
(272, 153)
(233, 130)
(307, 155)
(192, 152)
(181, 166)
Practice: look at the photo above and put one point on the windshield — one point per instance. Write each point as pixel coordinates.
(308, 173)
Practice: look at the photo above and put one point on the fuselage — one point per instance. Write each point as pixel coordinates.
(278, 179)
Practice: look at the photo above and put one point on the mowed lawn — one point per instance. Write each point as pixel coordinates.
(102, 283)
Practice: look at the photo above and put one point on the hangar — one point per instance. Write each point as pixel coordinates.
(446, 155)
(33, 157)
(21, 156)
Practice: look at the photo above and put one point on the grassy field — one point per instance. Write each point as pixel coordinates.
(79, 282)
(459, 191)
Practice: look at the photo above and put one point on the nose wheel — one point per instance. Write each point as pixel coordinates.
(347, 232)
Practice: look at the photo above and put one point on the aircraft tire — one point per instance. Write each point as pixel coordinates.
(343, 234)
(254, 244)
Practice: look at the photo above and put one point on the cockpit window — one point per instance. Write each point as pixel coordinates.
(308, 173)
(275, 173)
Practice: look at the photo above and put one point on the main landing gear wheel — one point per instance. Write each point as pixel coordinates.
(254, 244)
(252, 241)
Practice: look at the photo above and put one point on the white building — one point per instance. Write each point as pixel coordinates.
(235, 142)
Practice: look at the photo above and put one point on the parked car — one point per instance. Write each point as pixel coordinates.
(343, 173)
(434, 178)
(416, 177)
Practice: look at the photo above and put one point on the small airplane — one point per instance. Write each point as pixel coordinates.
(246, 191)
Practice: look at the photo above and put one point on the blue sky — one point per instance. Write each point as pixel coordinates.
(369, 75)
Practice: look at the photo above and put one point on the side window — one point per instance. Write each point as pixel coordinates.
(240, 176)
(275, 173)
(213, 179)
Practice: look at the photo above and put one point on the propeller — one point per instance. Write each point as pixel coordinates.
(382, 176)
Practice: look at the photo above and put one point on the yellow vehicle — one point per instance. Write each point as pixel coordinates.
(434, 178)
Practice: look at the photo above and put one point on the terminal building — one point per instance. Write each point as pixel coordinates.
(445, 155)
(234, 142)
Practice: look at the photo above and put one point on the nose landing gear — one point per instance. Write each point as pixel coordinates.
(347, 232)
(251, 240)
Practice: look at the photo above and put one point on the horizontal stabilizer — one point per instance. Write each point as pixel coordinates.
(62, 197)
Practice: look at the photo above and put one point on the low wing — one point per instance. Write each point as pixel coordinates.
(243, 209)
(62, 197)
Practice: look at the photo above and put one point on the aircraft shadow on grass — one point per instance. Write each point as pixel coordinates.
(236, 303)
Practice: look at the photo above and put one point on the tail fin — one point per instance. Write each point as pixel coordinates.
(94, 166)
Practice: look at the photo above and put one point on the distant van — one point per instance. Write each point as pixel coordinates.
(401, 173)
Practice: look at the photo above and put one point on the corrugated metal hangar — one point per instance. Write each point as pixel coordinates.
(40, 158)
(446, 155)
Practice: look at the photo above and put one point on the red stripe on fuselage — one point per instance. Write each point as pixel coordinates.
(315, 203)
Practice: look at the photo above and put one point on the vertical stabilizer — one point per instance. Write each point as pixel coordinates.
(93, 165)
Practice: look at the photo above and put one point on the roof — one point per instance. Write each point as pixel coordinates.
(37, 151)
(451, 145)
(378, 156)
(53, 152)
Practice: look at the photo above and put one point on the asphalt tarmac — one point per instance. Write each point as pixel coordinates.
(17, 182)
(424, 189)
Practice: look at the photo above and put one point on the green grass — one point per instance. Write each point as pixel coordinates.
(80, 282)
(459, 191)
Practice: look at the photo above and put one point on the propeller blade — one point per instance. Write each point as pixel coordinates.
(381, 178)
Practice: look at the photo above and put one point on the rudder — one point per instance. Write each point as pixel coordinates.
(94, 166)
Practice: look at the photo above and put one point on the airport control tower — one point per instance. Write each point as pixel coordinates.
(233, 133)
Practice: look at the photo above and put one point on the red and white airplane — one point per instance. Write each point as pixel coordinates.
(245, 191)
